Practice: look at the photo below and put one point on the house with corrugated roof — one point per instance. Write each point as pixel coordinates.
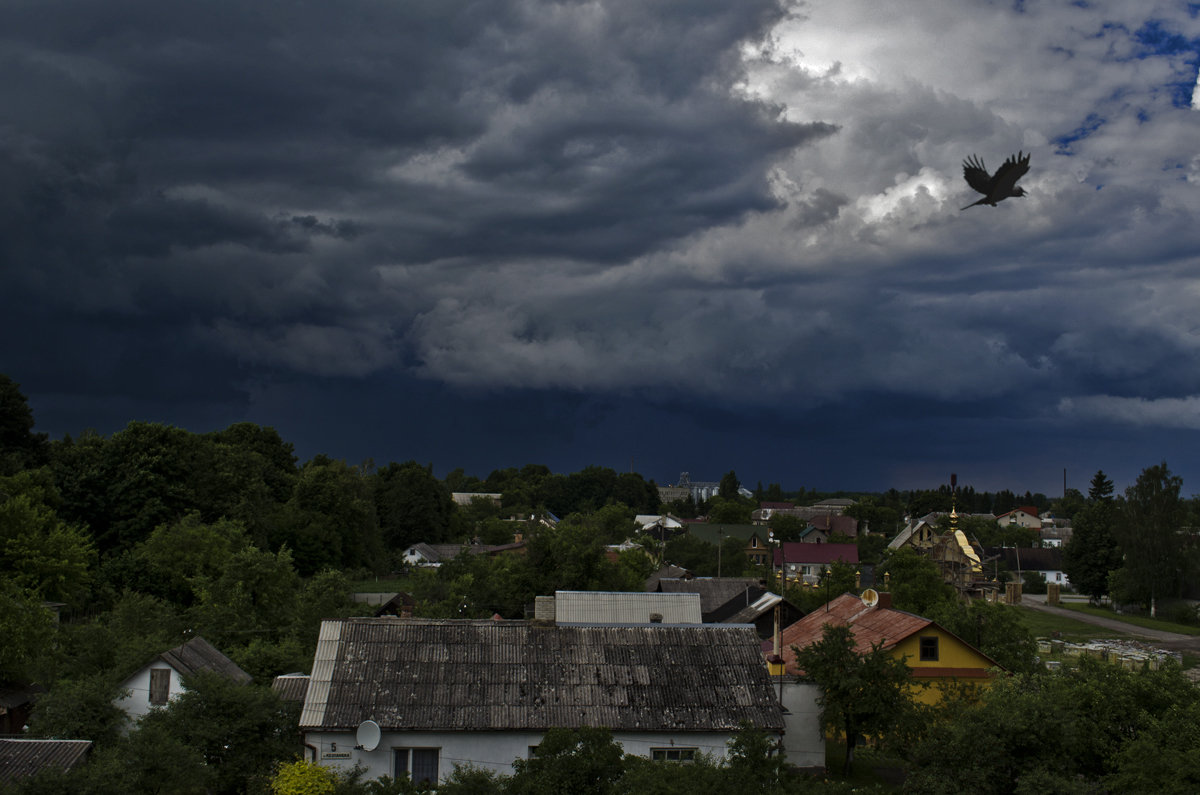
(934, 654)
(161, 679)
(417, 697)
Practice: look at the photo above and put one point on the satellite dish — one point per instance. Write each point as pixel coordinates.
(870, 597)
(368, 735)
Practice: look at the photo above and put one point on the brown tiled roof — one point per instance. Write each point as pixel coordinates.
(22, 758)
(449, 675)
(870, 625)
(200, 655)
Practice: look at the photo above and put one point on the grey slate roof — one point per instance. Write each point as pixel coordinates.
(290, 687)
(22, 758)
(444, 675)
(715, 592)
(200, 655)
(617, 607)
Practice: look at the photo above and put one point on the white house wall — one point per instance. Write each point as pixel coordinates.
(489, 750)
(804, 737)
(137, 703)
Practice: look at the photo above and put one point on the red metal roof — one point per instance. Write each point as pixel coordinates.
(870, 625)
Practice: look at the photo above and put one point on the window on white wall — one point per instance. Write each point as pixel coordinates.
(421, 764)
(673, 754)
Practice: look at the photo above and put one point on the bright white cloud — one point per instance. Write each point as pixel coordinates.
(1159, 412)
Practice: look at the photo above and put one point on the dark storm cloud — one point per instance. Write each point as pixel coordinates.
(705, 219)
(160, 148)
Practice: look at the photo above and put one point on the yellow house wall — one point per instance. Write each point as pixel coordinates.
(952, 653)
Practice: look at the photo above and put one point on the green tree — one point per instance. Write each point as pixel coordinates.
(1101, 487)
(756, 761)
(729, 511)
(691, 553)
(28, 630)
(241, 731)
(145, 761)
(121, 640)
(862, 692)
(123, 487)
(80, 708)
(1057, 732)
(332, 519)
(20, 447)
(587, 761)
(1162, 758)
(179, 553)
(1149, 532)
(303, 778)
(1092, 553)
(995, 629)
(571, 556)
(255, 596)
(914, 581)
(470, 780)
(412, 506)
(728, 487)
(1071, 503)
(874, 515)
(38, 551)
(785, 527)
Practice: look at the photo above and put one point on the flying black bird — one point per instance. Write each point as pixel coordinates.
(999, 186)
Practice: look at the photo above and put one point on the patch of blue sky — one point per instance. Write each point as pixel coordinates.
(1063, 143)
(1155, 39)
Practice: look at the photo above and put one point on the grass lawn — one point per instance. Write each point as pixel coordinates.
(1137, 621)
(1045, 625)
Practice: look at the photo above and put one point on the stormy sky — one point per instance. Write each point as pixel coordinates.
(678, 236)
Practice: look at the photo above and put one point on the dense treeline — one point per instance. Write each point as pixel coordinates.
(327, 512)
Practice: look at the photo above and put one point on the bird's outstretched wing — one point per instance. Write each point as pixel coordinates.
(1007, 175)
(975, 172)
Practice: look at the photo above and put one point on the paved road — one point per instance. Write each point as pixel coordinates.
(1167, 640)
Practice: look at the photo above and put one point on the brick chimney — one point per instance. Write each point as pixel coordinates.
(885, 599)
